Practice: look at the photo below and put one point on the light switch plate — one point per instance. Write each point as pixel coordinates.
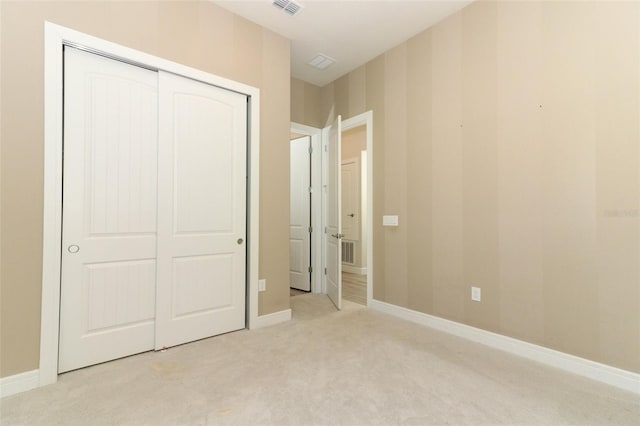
(262, 285)
(476, 294)
(390, 220)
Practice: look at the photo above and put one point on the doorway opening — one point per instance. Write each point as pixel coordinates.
(353, 256)
(353, 169)
(305, 252)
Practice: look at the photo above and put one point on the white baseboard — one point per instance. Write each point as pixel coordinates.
(354, 269)
(17, 383)
(613, 376)
(273, 319)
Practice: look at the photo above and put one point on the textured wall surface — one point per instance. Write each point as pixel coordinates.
(507, 139)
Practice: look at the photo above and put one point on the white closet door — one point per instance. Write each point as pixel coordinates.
(300, 215)
(109, 216)
(201, 211)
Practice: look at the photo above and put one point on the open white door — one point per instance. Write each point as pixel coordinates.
(201, 211)
(300, 215)
(333, 234)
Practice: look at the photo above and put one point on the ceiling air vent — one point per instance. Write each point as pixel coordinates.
(290, 7)
(321, 61)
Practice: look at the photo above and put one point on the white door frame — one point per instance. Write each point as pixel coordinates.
(55, 38)
(366, 119)
(316, 202)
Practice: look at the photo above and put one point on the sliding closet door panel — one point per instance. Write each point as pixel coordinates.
(203, 164)
(202, 211)
(109, 210)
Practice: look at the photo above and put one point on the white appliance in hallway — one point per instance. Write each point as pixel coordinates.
(149, 219)
(300, 215)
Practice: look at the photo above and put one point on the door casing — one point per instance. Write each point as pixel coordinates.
(55, 38)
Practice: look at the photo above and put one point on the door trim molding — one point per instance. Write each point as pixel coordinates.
(55, 38)
(316, 202)
(366, 119)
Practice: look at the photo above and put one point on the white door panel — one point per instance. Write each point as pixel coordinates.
(333, 214)
(300, 215)
(201, 211)
(109, 220)
(198, 292)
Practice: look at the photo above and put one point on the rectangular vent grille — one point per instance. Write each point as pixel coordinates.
(290, 7)
(347, 252)
(321, 61)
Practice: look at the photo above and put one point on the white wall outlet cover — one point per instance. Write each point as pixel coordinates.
(262, 285)
(476, 294)
(389, 220)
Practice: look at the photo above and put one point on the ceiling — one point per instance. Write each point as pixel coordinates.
(350, 31)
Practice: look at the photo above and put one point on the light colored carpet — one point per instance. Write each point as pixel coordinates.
(354, 367)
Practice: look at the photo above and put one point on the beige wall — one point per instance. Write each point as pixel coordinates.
(306, 98)
(507, 138)
(195, 33)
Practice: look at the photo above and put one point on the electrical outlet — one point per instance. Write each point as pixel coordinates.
(476, 294)
(262, 285)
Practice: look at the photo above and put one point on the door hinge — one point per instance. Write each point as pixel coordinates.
(325, 148)
(310, 229)
(325, 271)
(310, 269)
(310, 150)
(310, 190)
(325, 229)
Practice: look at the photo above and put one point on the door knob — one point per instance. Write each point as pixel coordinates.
(240, 241)
(351, 215)
(73, 248)
(338, 236)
